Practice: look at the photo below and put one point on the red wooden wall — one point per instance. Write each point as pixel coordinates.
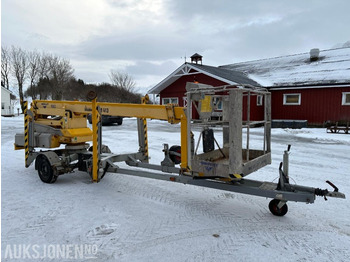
(256, 112)
(178, 88)
(317, 105)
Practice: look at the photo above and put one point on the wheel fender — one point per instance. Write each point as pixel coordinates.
(51, 156)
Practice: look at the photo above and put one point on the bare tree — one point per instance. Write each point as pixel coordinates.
(122, 80)
(49, 76)
(5, 67)
(43, 88)
(61, 72)
(19, 69)
(43, 70)
(33, 71)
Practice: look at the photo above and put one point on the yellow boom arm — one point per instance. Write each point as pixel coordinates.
(70, 118)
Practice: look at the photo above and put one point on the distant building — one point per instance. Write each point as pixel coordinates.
(172, 88)
(6, 105)
(313, 86)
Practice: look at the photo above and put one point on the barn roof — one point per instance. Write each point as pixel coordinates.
(236, 77)
(230, 77)
(332, 67)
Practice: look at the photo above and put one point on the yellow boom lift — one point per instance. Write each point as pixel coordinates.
(50, 124)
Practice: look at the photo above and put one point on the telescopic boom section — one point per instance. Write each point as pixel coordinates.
(173, 114)
(79, 110)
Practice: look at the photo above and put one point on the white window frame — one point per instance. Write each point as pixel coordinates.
(217, 103)
(259, 100)
(343, 100)
(291, 104)
(171, 100)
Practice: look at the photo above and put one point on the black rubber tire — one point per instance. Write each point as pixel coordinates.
(104, 149)
(120, 122)
(174, 158)
(45, 170)
(275, 210)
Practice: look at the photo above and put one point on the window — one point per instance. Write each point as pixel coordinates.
(346, 99)
(291, 99)
(217, 103)
(170, 100)
(259, 100)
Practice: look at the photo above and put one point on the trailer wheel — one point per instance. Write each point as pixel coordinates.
(104, 149)
(175, 154)
(273, 206)
(45, 170)
(120, 121)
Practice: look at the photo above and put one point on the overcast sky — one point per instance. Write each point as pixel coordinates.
(149, 39)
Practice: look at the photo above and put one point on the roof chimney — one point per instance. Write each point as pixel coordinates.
(196, 58)
(314, 54)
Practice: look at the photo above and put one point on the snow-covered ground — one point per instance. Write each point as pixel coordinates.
(136, 219)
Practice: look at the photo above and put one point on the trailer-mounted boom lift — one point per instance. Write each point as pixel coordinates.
(222, 165)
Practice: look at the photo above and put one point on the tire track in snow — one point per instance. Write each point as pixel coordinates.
(196, 201)
(39, 223)
(214, 208)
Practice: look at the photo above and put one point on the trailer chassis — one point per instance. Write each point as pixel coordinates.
(280, 192)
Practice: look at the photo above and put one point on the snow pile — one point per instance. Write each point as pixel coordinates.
(137, 219)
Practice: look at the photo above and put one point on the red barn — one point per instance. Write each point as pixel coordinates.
(311, 86)
(172, 88)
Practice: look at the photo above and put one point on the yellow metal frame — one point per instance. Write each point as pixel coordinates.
(144, 101)
(26, 133)
(171, 113)
(71, 120)
(95, 146)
